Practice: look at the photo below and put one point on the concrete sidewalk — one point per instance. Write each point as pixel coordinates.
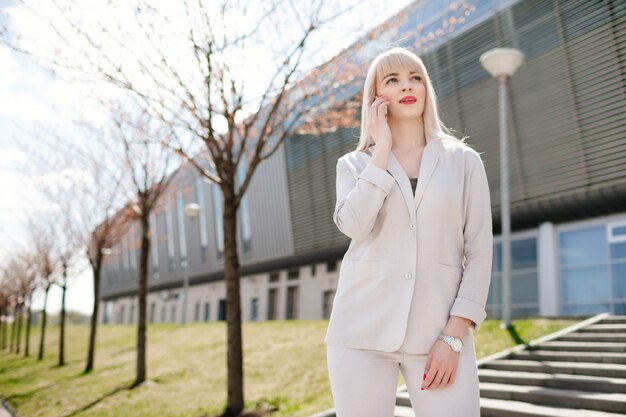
(5, 410)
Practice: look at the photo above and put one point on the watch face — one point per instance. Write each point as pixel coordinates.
(457, 345)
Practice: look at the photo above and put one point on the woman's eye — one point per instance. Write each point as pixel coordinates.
(391, 79)
(418, 77)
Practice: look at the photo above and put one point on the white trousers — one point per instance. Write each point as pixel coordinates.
(364, 384)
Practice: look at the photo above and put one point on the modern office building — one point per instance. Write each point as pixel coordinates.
(567, 140)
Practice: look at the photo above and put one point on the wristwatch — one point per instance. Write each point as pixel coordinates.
(455, 343)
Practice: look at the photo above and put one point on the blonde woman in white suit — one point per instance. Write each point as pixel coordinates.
(414, 282)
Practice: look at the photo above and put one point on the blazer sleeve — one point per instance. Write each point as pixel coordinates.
(359, 197)
(478, 245)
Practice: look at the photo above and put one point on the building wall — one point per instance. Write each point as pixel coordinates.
(556, 272)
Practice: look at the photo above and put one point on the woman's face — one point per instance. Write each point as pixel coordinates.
(406, 91)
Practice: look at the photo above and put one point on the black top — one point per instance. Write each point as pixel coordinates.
(413, 184)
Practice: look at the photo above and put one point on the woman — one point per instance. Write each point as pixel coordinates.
(414, 282)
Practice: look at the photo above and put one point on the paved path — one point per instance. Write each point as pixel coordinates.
(3, 411)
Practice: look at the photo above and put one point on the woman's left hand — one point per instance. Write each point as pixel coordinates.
(441, 366)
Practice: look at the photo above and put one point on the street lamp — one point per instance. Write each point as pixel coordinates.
(191, 212)
(502, 63)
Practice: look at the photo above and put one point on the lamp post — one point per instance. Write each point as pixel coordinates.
(502, 63)
(191, 212)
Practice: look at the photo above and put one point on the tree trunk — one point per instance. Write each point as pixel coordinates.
(43, 324)
(3, 312)
(19, 328)
(94, 315)
(141, 297)
(62, 323)
(28, 322)
(13, 327)
(232, 273)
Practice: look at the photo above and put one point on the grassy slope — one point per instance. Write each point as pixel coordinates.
(284, 365)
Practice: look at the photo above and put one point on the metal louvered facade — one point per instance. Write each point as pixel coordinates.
(311, 166)
(567, 127)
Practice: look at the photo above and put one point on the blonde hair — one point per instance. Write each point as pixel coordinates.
(394, 59)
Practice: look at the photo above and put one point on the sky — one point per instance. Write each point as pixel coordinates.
(33, 100)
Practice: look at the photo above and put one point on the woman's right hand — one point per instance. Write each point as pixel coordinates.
(377, 126)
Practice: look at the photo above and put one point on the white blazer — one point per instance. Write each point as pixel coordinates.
(413, 260)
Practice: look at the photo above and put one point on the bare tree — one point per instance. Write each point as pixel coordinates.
(148, 166)
(90, 197)
(188, 67)
(46, 263)
(4, 308)
(102, 237)
(22, 293)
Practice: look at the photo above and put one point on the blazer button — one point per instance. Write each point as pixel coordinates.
(408, 275)
(412, 226)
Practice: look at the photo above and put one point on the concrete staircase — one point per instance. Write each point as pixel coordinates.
(579, 371)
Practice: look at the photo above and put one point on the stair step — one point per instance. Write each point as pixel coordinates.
(605, 328)
(584, 346)
(556, 355)
(401, 411)
(610, 370)
(613, 320)
(593, 337)
(542, 379)
(600, 401)
(490, 407)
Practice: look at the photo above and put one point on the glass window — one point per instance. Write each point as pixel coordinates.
(243, 212)
(618, 277)
(585, 284)
(180, 215)
(584, 246)
(169, 225)
(132, 247)
(154, 242)
(327, 303)
(524, 288)
(524, 253)
(617, 232)
(218, 219)
(292, 303)
(221, 310)
(255, 309)
(127, 251)
(272, 304)
(204, 239)
(207, 310)
(618, 251)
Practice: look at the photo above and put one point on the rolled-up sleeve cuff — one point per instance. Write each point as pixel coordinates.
(463, 307)
(378, 176)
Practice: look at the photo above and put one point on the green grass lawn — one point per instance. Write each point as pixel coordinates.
(284, 367)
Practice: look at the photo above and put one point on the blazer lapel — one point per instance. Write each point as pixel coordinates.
(430, 156)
